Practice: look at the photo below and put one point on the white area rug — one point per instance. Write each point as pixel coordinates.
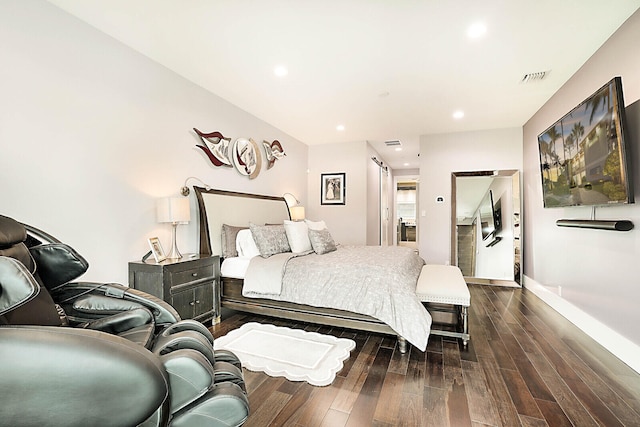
(294, 354)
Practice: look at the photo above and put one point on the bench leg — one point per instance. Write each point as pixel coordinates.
(402, 344)
(465, 325)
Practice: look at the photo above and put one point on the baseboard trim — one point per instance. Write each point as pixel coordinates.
(621, 347)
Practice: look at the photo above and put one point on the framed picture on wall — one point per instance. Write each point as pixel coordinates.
(333, 188)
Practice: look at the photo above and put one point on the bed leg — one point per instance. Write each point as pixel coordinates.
(402, 344)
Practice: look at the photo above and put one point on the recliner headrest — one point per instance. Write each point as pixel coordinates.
(58, 264)
(11, 232)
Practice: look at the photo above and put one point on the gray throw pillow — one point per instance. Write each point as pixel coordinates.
(229, 235)
(270, 239)
(321, 241)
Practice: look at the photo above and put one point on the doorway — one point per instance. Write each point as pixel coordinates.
(407, 212)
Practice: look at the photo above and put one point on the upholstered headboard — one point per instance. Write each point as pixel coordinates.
(217, 207)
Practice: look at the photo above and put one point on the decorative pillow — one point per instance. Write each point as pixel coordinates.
(245, 245)
(321, 241)
(315, 225)
(298, 236)
(229, 235)
(270, 239)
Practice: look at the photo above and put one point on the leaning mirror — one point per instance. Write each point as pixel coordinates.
(486, 226)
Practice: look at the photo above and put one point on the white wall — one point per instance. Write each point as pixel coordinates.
(355, 223)
(347, 223)
(596, 270)
(442, 154)
(91, 133)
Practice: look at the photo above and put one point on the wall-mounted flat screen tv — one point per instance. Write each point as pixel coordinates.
(584, 158)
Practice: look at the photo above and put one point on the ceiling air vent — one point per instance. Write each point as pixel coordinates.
(394, 143)
(534, 77)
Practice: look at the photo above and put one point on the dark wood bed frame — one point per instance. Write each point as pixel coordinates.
(217, 207)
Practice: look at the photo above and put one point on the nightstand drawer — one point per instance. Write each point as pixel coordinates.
(191, 275)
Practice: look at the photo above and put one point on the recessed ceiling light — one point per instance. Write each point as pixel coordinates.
(458, 114)
(406, 164)
(280, 71)
(340, 128)
(476, 30)
(398, 148)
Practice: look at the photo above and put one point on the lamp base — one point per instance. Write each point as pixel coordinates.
(175, 253)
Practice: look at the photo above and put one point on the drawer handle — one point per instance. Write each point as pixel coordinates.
(197, 301)
(192, 303)
(194, 274)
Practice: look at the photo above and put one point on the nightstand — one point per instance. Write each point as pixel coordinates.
(190, 284)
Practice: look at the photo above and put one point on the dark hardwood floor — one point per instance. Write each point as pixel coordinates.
(525, 366)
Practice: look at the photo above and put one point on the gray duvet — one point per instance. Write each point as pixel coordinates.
(378, 281)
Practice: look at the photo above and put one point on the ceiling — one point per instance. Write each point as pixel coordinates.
(385, 70)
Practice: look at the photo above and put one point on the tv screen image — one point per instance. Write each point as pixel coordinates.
(583, 156)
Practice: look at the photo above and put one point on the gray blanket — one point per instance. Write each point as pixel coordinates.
(378, 281)
(264, 275)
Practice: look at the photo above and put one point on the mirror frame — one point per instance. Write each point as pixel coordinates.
(454, 229)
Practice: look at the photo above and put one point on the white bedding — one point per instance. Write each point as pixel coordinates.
(372, 280)
(234, 267)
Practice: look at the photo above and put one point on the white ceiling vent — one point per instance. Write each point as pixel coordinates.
(534, 77)
(394, 143)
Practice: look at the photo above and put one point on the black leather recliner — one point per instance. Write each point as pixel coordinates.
(82, 353)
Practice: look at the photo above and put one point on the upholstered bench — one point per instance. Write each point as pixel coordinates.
(444, 286)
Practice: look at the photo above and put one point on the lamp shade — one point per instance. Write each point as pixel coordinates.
(173, 209)
(297, 212)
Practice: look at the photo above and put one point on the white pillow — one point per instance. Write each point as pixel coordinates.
(245, 245)
(315, 225)
(298, 236)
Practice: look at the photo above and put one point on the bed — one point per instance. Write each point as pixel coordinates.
(397, 313)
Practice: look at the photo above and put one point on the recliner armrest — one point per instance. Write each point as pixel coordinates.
(124, 321)
(66, 294)
(48, 373)
(102, 305)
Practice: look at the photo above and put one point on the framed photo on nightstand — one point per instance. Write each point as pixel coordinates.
(156, 249)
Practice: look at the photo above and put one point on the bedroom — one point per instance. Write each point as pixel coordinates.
(95, 141)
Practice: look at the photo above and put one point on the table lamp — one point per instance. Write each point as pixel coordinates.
(175, 210)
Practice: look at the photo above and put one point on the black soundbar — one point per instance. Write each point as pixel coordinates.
(616, 224)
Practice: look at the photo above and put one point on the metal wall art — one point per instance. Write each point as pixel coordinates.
(246, 157)
(216, 147)
(274, 152)
(243, 154)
